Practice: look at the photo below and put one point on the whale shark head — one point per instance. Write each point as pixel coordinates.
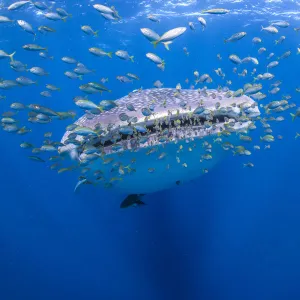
(156, 138)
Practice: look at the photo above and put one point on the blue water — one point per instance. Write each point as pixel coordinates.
(232, 234)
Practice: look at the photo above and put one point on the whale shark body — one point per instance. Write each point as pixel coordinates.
(155, 139)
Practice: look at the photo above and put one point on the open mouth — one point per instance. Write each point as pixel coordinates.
(161, 128)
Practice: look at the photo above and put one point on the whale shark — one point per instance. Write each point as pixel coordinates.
(155, 139)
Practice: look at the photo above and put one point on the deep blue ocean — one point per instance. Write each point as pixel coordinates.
(231, 234)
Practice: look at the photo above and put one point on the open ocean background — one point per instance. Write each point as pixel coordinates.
(232, 234)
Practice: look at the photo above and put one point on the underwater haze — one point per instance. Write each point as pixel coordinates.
(230, 233)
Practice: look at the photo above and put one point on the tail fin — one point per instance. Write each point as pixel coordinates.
(96, 33)
(298, 51)
(64, 19)
(262, 28)
(297, 135)
(166, 44)
(109, 54)
(225, 41)
(155, 43)
(80, 77)
(293, 117)
(276, 42)
(132, 58)
(11, 56)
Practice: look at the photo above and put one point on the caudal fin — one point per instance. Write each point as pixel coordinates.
(166, 44)
(132, 58)
(155, 43)
(109, 54)
(293, 117)
(96, 33)
(11, 56)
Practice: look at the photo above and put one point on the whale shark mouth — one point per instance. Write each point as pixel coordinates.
(174, 115)
(174, 128)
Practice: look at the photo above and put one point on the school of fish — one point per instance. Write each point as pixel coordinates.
(159, 123)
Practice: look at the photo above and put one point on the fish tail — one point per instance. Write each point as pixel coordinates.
(100, 108)
(293, 117)
(64, 19)
(70, 15)
(11, 56)
(262, 28)
(132, 58)
(298, 51)
(109, 91)
(80, 77)
(166, 44)
(295, 29)
(155, 43)
(225, 41)
(297, 135)
(96, 33)
(276, 42)
(109, 54)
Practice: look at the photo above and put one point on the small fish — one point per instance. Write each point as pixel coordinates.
(124, 55)
(158, 84)
(38, 71)
(89, 31)
(52, 87)
(69, 60)
(46, 94)
(270, 29)
(18, 66)
(4, 19)
(216, 11)
(249, 165)
(73, 75)
(261, 50)
(285, 55)
(43, 29)
(36, 158)
(45, 55)
(202, 22)
(192, 25)
(256, 40)
(235, 59)
(17, 5)
(281, 24)
(154, 58)
(99, 52)
(63, 13)
(236, 37)
(133, 76)
(53, 16)
(267, 138)
(168, 37)
(26, 26)
(280, 40)
(149, 34)
(153, 18)
(34, 47)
